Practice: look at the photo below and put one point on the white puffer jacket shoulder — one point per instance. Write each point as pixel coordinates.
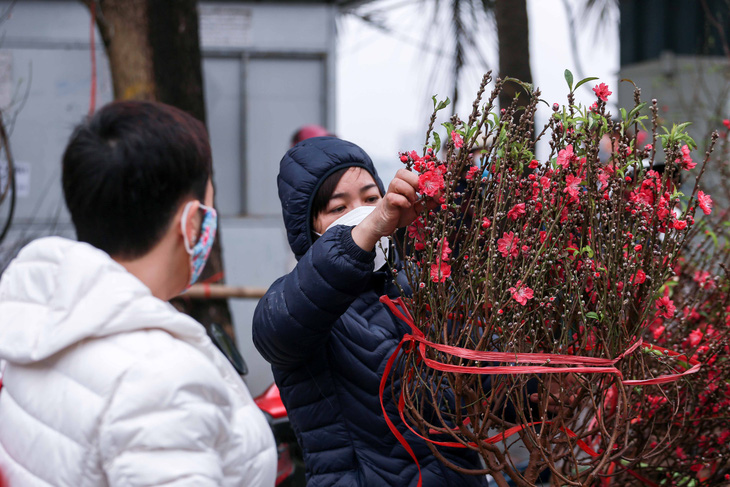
(106, 385)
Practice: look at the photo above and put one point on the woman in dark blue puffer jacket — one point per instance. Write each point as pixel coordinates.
(325, 332)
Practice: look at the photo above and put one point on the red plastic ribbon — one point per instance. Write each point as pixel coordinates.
(584, 365)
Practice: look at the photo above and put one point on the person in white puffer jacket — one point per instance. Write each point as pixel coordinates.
(104, 382)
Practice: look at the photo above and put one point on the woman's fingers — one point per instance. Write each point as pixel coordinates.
(409, 177)
(402, 187)
(399, 200)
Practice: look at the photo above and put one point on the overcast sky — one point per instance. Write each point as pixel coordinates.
(385, 79)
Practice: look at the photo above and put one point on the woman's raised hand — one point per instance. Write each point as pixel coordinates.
(398, 208)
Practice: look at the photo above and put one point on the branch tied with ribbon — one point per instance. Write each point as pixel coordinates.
(417, 343)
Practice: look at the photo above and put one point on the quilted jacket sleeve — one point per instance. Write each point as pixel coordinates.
(297, 313)
(167, 423)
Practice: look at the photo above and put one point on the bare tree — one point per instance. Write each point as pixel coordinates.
(153, 48)
(514, 49)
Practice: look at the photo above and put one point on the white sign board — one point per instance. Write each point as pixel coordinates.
(22, 178)
(225, 26)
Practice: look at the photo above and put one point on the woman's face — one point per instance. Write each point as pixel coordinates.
(356, 188)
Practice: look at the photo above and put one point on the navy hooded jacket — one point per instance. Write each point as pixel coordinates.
(328, 339)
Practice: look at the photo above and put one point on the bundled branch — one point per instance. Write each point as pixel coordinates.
(543, 277)
(695, 415)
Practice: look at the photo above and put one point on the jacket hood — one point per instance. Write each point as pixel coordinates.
(58, 292)
(302, 171)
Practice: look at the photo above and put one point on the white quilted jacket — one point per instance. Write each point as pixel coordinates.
(105, 384)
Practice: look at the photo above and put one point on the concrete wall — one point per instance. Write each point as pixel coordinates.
(268, 69)
(688, 89)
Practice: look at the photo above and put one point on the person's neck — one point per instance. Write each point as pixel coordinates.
(156, 271)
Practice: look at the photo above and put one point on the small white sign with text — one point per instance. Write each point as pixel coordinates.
(22, 178)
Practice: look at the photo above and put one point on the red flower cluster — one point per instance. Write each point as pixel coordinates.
(601, 91)
(566, 157)
(431, 183)
(508, 245)
(567, 256)
(521, 293)
(441, 269)
(705, 202)
(686, 163)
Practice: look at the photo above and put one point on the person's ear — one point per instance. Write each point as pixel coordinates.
(190, 221)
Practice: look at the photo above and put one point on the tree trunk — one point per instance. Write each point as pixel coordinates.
(124, 30)
(153, 48)
(514, 48)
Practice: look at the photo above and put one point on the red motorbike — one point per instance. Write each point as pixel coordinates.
(290, 466)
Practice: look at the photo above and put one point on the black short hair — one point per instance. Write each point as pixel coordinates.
(127, 168)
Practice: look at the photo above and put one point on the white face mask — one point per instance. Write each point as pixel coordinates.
(353, 218)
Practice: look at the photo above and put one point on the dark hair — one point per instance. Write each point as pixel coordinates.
(126, 170)
(324, 193)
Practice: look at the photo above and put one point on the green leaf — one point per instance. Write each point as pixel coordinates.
(470, 132)
(573, 250)
(592, 314)
(634, 111)
(569, 79)
(527, 86)
(437, 105)
(629, 81)
(436, 143)
(584, 81)
(587, 250)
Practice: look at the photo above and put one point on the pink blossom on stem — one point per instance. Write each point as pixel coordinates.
(705, 202)
(517, 211)
(704, 279)
(687, 162)
(445, 250)
(566, 156)
(603, 177)
(639, 277)
(521, 293)
(458, 140)
(665, 307)
(471, 172)
(601, 91)
(439, 272)
(658, 331)
(694, 339)
(430, 183)
(572, 186)
(507, 245)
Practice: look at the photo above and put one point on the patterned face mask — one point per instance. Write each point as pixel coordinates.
(200, 252)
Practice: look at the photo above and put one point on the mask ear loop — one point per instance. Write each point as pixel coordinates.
(188, 247)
